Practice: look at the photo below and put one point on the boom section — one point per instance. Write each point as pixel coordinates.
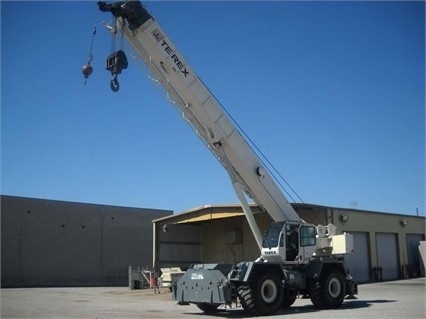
(200, 108)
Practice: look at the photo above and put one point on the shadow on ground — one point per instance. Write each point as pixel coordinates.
(348, 304)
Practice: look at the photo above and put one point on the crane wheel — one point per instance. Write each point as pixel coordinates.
(263, 295)
(329, 292)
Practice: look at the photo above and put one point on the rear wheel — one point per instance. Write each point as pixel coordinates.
(329, 292)
(263, 295)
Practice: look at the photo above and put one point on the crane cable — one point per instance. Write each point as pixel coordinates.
(87, 68)
(117, 60)
(263, 156)
(91, 43)
(267, 161)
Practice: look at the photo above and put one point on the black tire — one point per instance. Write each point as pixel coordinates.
(262, 296)
(329, 292)
(207, 307)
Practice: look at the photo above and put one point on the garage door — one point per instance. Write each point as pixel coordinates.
(413, 242)
(358, 263)
(387, 255)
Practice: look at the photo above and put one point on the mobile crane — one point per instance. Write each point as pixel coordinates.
(296, 258)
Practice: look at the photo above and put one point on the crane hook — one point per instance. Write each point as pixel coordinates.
(114, 85)
(115, 63)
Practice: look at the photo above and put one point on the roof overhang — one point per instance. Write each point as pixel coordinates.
(205, 213)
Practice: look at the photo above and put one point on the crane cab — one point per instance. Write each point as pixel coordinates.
(289, 242)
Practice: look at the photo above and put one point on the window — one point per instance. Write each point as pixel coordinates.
(307, 236)
(272, 235)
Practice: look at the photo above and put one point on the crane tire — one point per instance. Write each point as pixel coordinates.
(263, 295)
(329, 292)
(207, 307)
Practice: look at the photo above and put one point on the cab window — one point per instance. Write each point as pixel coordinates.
(307, 236)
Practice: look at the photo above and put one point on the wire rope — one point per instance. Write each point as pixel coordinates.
(259, 152)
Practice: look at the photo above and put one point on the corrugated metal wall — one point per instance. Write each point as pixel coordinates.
(230, 240)
(179, 246)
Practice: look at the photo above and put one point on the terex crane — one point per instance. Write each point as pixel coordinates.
(296, 258)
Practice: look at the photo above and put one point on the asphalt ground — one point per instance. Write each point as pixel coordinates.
(391, 300)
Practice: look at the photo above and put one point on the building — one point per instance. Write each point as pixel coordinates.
(386, 245)
(57, 243)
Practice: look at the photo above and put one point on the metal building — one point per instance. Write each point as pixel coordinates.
(57, 243)
(386, 245)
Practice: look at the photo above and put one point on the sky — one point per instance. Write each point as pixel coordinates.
(333, 93)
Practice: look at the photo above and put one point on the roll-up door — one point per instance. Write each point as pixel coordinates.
(387, 255)
(413, 254)
(358, 263)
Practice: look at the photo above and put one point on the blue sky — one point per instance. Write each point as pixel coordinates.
(332, 92)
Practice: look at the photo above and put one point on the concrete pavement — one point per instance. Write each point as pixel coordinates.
(395, 299)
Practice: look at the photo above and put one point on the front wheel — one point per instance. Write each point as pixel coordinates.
(329, 292)
(263, 295)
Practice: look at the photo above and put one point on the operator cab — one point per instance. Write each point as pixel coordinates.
(290, 242)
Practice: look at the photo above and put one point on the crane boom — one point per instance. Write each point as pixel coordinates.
(202, 110)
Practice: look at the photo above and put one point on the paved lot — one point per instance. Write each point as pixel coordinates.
(397, 299)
